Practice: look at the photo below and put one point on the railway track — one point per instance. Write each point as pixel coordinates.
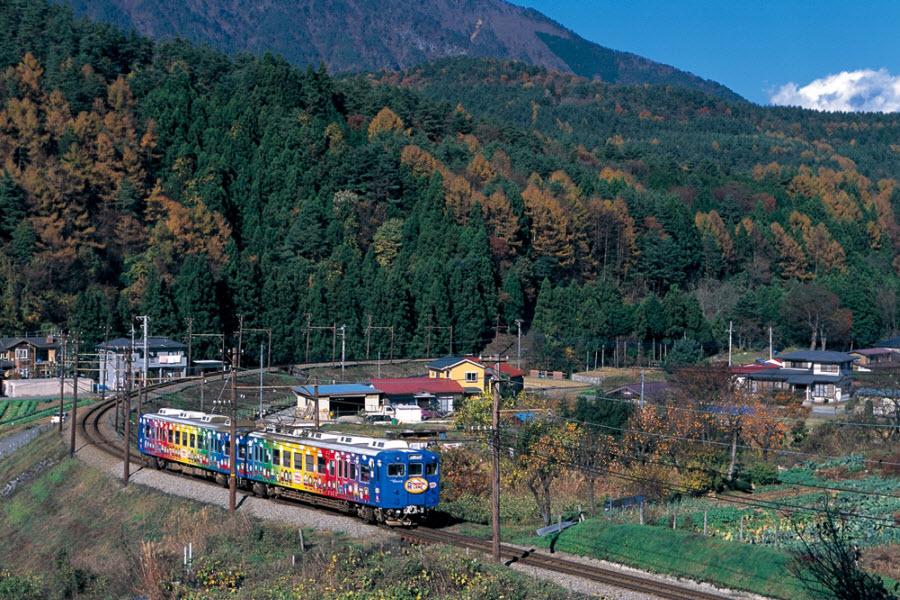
(92, 429)
(599, 574)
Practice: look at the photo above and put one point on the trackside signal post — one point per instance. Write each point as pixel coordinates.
(495, 461)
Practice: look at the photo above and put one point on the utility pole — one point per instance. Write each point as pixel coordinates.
(74, 401)
(104, 367)
(642, 388)
(368, 329)
(237, 365)
(142, 396)
(333, 342)
(126, 401)
(316, 400)
(260, 381)
(62, 380)
(308, 329)
(495, 470)
(343, 349)
(770, 342)
(519, 344)
(202, 381)
(190, 343)
(232, 441)
(730, 331)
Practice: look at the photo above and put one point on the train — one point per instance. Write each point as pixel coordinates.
(380, 480)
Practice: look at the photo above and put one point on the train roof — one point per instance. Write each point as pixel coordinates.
(340, 442)
(195, 417)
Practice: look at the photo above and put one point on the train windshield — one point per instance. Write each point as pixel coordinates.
(396, 470)
(415, 469)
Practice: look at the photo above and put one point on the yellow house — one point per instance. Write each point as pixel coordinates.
(467, 372)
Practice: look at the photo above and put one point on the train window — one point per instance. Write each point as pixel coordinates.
(310, 464)
(320, 466)
(331, 467)
(396, 470)
(431, 469)
(242, 452)
(415, 469)
(177, 437)
(147, 432)
(170, 436)
(340, 468)
(365, 474)
(276, 453)
(352, 474)
(193, 440)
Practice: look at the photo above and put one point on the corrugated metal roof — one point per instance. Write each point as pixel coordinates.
(153, 343)
(417, 385)
(819, 356)
(337, 389)
(450, 361)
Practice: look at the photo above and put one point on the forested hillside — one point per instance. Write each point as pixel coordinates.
(164, 179)
(371, 35)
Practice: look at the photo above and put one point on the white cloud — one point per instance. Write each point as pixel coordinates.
(865, 90)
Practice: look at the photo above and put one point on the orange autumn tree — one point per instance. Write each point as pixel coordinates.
(552, 232)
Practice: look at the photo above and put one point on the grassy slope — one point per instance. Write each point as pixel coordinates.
(77, 531)
(738, 566)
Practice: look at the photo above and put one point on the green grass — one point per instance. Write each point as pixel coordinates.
(20, 412)
(737, 566)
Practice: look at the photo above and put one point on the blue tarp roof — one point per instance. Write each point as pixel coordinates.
(336, 389)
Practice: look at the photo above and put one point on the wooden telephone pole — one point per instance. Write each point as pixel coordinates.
(232, 442)
(126, 401)
(74, 400)
(495, 459)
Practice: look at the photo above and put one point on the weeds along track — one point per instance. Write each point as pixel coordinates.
(97, 431)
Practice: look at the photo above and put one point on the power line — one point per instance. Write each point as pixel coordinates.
(712, 442)
(756, 503)
(711, 471)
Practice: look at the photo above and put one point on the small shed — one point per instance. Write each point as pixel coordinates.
(338, 400)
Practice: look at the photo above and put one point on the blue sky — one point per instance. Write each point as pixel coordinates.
(753, 47)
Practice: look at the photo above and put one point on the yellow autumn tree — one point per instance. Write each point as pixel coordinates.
(384, 122)
(712, 225)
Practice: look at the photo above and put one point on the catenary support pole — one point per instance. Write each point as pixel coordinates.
(126, 401)
(232, 439)
(62, 380)
(74, 400)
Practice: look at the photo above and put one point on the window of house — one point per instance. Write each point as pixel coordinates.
(829, 369)
(471, 377)
(21, 353)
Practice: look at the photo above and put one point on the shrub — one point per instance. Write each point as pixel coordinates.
(761, 473)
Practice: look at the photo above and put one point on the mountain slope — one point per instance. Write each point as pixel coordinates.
(371, 35)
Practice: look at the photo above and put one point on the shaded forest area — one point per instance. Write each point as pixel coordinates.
(170, 180)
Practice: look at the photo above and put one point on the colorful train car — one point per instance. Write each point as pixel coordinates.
(380, 480)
